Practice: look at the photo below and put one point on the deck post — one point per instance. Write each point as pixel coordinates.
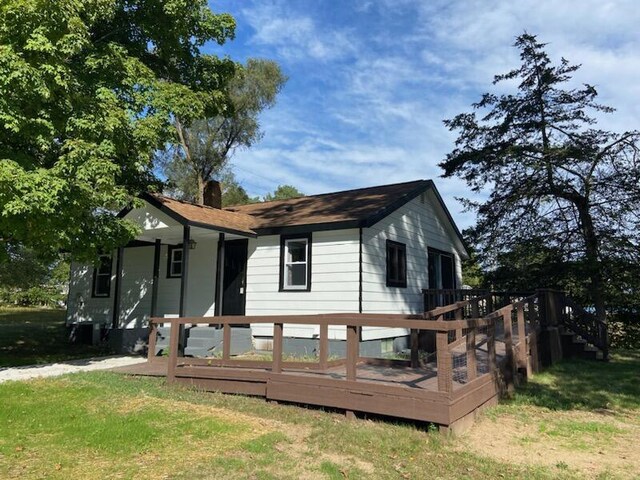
(323, 354)
(491, 348)
(472, 364)
(352, 352)
(153, 337)
(277, 348)
(415, 359)
(226, 341)
(444, 363)
(174, 342)
(115, 321)
(522, 337)
(186, 237)
(510, 363)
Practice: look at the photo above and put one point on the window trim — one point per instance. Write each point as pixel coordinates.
(399, 283)
(171, 249)
(94, 283)
(283, 241)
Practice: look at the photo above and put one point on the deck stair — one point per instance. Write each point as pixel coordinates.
(574, 346)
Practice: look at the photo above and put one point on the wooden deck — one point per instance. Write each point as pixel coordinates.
(474, 359)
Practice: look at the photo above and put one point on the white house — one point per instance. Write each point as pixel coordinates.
(369, 250)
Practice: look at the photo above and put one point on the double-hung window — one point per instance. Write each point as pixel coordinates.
(396, 264)
(295, 262)
(174, 265)
(102, 277)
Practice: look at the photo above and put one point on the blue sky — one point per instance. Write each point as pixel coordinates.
(370, 81)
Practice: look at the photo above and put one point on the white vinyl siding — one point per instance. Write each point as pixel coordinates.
(418, 226)
(334, 281)
(136, 287)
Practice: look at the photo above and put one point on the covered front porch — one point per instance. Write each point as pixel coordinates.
(187, 262)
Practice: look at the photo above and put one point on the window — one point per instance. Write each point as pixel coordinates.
(174, 265)
(442, 269)
(295, 262)
(396, 264)
(102, 277)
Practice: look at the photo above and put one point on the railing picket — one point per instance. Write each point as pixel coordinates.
(415, 360)
(277, 347)
(153, 337)
(174, 342)
(472, 367)
(323, 354)
(352, 352)
(444, 363)
(226, 341)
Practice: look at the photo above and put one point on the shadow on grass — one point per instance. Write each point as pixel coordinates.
(30, 336)
(586, 385)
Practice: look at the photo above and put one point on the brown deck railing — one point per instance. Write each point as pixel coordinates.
(469, 353)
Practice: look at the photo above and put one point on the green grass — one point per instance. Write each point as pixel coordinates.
(578, 419)
(104, 425)
(37, 335)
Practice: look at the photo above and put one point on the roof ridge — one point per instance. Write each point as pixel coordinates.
(329, 193)
(193, 204)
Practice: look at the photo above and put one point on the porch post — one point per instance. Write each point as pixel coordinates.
(115, 322)
(219, 273)
(186, 236)
(156, 277)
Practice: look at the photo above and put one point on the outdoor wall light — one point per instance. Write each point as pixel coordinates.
(192, 244)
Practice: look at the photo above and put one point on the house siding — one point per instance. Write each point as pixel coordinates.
(334, 281)
(418, 225)
(136, 287)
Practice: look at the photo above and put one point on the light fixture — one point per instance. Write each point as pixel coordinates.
(192, 244)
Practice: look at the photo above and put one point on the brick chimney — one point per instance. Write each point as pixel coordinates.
(213, 194)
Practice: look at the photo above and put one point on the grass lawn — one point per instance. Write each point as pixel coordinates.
(37, 335)
(104, 425)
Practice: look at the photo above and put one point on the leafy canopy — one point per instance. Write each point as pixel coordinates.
(88, 90)
(555, 179)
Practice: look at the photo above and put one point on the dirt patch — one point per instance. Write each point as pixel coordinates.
(592, 443)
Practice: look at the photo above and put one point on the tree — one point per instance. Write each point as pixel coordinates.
(555, 179)
(28, 279)
(234, 194)
(88, 90)
(283, 192)
(204, 146)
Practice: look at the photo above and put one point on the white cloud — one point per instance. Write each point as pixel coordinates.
(296, 37)
(366, 101)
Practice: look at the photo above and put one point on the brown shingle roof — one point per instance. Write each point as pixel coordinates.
(202, 214)
(354, 206)
(361, 207)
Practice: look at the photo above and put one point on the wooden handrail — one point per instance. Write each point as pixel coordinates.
(438, 311)
(355, 320)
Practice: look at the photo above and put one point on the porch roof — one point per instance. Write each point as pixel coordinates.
(203, 216)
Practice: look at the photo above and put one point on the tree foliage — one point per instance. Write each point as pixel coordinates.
(88, 89)
(283, 192)
(203, 147)
(555, 179)
(29, 279)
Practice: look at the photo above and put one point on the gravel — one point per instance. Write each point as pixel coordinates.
(71, 366)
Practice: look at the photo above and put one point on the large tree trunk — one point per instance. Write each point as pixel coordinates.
(200, 192)
(592, 257)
